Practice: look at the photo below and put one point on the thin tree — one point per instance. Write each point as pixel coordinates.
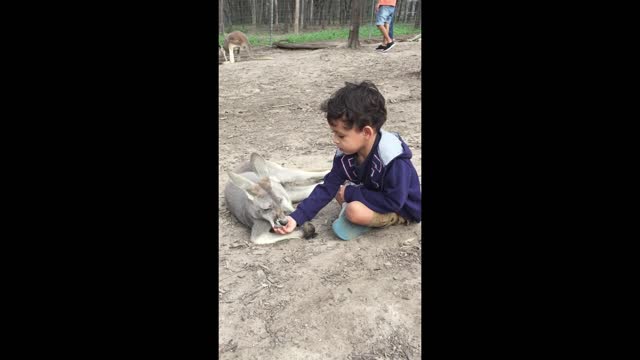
(407, 8)
(221, 18)
(323, 14)
(413, 9)
(253, 13)
(302, 12)
(296, 17)
(275, 11)
(354, 32)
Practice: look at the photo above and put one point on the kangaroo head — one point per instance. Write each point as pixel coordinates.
(264, 202)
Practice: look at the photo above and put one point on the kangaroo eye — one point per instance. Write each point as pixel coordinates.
(266, 207)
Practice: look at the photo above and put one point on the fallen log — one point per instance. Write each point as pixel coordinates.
(305, 46)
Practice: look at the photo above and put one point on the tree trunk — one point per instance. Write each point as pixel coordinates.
(275, 12)
(418, 22)
(302, 14)
(296, 17)
(253, 13)
(227, 14)
(311, 13)
(343, 12)
(407, 5)
(221, 17)
(323, 19)
(261, 13)
(327, 13)
(354, 32)
(288, 15)
(413, 9)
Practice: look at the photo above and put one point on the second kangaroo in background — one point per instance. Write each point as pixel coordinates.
(236, 40)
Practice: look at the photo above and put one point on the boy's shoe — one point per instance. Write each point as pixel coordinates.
(389, 46)
(381, 47)
(384, 220)
(345, 229)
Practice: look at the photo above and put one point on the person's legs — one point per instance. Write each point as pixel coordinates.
(385, 35)
(386, 26)
(391, 43)
(356, 219)
(359, 214)
(345, 229)
(389, 29)
(381, 18)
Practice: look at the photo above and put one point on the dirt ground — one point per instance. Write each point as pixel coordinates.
(321, 298)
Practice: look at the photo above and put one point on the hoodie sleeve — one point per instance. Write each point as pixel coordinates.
(396, 190)
(321, 195)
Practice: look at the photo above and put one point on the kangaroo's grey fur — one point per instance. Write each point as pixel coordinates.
(261, 194)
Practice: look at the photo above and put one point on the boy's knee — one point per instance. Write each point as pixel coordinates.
(356, 212)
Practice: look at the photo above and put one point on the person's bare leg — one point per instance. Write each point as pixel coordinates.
(358, 213)
(386, 27)
(347, 225)
(385, 34)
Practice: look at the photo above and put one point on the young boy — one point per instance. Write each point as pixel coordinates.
(382, 186)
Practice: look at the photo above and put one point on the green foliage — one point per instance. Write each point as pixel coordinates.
(261, 37)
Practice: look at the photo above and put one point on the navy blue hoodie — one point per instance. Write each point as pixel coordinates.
(387, 182)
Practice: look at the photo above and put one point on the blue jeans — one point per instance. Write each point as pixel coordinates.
(385, 14)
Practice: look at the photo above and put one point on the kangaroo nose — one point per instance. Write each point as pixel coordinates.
(283, 221)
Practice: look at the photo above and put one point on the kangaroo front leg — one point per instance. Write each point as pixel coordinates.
(270, 238)
(221, 50)
(231, 47)
(261, 235)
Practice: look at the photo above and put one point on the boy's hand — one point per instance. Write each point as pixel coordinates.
(340, 195)
(291, 225)
(377, 6)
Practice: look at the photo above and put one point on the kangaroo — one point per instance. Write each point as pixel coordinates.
(261, 194)
(236, 40)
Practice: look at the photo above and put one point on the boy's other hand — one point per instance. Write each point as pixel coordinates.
(377, 7)
(291, 225)
(340, 195)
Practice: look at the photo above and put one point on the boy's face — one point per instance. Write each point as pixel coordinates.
(349, 141)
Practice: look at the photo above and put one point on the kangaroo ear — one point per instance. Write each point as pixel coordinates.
(260, 165)
(243, 183)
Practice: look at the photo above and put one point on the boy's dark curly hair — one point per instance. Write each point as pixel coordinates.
(356, 105)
